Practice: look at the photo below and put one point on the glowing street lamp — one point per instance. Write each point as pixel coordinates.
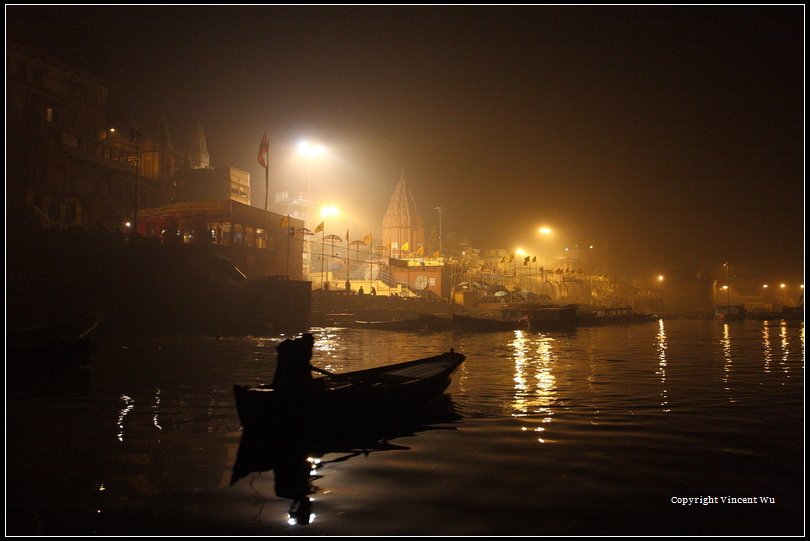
(329, 211)
(310, 151)
(545, 231)
(660, 277)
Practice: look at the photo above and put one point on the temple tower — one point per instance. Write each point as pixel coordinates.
(403, 230)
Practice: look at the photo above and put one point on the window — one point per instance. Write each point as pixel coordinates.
(250, 236)
(238, 235)
(225, 238)
(215, 230)
(50, 114)
(261, 239)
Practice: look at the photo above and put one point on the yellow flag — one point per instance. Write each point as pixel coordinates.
(319, 228)
(367, 239)
(285, 222)
(420, 251)
(406, 247)
(435, 254)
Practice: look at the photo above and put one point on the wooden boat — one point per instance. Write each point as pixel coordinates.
(349, 397)
(481, 324)
(435, 322)
(551, 318)
(729, 312)
(612, 316)
(411, 324)
(64, 336)
(793, 313)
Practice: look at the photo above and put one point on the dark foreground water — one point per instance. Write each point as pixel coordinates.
(598, 431)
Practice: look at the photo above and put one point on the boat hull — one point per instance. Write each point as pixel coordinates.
(354, 397)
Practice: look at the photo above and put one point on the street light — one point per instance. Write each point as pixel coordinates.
(440, 210)
(545, 231)
(310, 151)
(135, 135)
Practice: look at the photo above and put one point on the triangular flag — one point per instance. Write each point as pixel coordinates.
(421, 251)
(406, 246)
(367, 239)
(285, 221)
(319, 228)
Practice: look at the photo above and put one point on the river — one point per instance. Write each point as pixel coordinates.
(606, 430)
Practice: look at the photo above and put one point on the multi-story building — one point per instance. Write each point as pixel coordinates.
(65, 156)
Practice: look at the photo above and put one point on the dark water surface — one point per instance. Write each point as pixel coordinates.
(591, 432)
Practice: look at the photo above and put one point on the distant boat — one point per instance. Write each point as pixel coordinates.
(729, 312)
(612, 316)
(552, 318)
(63, 336)
(793, 313)
(435, 322)
(411, 324)
(481, 324)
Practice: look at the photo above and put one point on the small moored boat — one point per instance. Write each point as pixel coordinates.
(348, 397)
(481, 324)
(411, 324)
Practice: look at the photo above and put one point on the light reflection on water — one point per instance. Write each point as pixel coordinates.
(584, 432)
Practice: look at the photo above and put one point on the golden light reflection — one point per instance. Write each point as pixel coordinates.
(726, 341)
(662, 364)
(129, 403)
(766, 346)
(156, 409)
(534, 382)
(783, 334)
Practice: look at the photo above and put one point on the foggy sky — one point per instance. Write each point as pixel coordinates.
(675, 134)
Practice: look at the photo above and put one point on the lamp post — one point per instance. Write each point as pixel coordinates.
(545, 231)
(135, 135)
(440, 210)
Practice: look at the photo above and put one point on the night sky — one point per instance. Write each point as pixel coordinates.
(675, 134)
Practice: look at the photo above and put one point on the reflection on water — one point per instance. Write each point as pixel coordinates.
(767, 354)
(145, 439)
(661, 342)
(785, 348)
(296, 457)
(534, 394)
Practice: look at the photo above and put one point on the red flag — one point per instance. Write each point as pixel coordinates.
(264, 148)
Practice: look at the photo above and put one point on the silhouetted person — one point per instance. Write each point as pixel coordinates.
(348, 286)
(373, 292)
(293, 368)
(360, 291)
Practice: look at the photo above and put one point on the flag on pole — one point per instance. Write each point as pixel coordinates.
(436, 254)
(264, 148)
(420, 251)
(406, 247)
(367, 239)
(511, 257)
(534, 259)
(319, 228)
(285, 221)
(526, 260)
